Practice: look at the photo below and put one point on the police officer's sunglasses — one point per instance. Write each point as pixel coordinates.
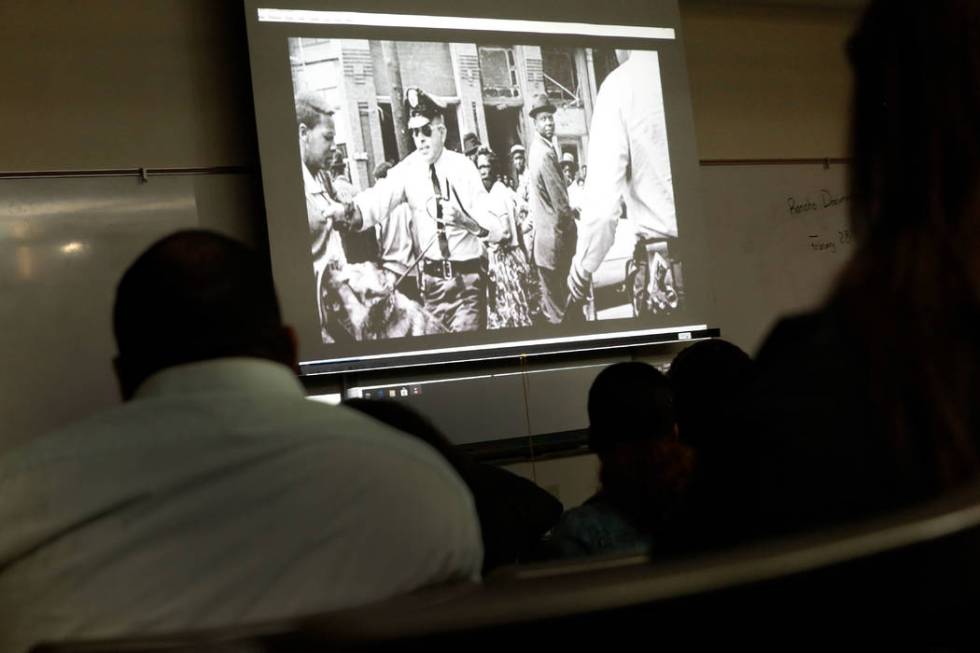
(425, 130)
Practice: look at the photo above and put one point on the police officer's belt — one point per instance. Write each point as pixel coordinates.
(447, 269)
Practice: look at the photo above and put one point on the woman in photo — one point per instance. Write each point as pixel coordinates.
(511, 289)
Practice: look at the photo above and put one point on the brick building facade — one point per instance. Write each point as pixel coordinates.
(486, 87)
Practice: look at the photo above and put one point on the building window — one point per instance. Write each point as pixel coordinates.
(498, 70)
(560, 80)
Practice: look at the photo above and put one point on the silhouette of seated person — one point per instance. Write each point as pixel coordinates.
(708, 378)
(514, 512)
(871, 403)
(645, 470)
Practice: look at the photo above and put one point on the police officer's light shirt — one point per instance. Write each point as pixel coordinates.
(411, 181)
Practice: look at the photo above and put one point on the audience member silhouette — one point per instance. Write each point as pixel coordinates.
(514, 512)
(645, 469)
(872, 402)
(708, 378)
(217, 494)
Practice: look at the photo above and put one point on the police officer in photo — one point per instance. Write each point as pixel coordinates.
(450, 212)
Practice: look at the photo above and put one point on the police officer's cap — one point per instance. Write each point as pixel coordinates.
(421, 107)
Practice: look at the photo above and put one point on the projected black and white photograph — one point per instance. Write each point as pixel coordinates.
(461, 187)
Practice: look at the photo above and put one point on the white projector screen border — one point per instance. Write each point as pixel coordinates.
(271, 29)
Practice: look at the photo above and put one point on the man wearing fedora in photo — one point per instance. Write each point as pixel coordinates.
(550, 213)
(450, 213)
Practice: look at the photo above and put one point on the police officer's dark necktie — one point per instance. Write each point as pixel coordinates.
(440, 225)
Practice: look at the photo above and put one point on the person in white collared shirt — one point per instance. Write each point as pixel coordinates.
(316, 131)
(628, 164)
(451, 214)
(217, 494)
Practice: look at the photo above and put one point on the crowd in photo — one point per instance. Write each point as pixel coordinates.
(457, 240)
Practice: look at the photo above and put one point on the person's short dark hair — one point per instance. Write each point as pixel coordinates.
(645, 470)
(628, 402)
(491, 157)
(310, 110)
(707, 377)
(381, 170)
(196, 295)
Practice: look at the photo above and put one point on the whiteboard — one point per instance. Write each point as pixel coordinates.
(778, 236)
(65, 244)
(775, 242)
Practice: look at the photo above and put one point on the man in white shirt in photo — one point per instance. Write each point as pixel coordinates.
(451, 212)
(316, 132)
(628, 165)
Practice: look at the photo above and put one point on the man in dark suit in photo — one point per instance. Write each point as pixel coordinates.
(553, 218)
